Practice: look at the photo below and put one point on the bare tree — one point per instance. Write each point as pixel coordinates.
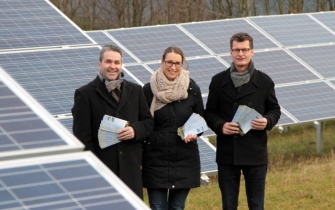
(107, 14)
(68, 7)
(295, 6)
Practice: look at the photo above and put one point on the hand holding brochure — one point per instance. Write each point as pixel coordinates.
(109, 127)
(194, 125)
(244, 116)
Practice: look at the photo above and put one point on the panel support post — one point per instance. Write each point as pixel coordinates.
(319, 137)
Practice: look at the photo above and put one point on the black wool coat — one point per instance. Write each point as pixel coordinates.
(222, 103)
(91, 103)
(169, 162)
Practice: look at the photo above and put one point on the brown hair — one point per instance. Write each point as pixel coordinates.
(240, 37)
(176, 50)
(109, 47)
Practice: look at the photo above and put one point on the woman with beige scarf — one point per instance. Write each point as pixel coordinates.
(171, 166)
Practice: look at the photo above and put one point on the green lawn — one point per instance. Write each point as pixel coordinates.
(298, 177)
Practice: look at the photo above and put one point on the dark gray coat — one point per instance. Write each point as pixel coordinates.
(223, 101)
(91, 103)
(168, 162)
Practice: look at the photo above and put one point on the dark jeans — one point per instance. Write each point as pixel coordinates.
(229, 183)
(167, 199)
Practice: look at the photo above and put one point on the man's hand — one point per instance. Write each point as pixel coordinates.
(259, 124)
(230, 128)
(126, 133)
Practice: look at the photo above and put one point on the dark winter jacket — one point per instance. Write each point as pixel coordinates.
(91, 103)
(223, 101)
(169, 162)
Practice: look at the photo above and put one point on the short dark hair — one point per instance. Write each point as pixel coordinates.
(176, 50)
(109, 47)
(240, 37)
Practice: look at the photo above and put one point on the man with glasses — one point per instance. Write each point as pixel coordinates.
(236, 154)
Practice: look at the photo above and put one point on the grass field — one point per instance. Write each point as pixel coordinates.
(298, 177)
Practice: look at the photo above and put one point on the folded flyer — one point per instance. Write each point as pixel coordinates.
(194, 125)
(107, 133)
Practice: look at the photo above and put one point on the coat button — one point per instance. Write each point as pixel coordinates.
(172, 186)
(121, 153)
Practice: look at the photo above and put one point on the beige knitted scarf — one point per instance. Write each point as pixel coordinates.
(166, 91)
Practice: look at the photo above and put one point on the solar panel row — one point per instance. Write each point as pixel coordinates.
(26, 129)
(65, 181)
(50, 57)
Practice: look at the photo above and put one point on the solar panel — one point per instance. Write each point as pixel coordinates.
(67, 181)
(207, 157)
(67, 123)
(309, 101)
(26, 129)
(327, 18)
(295, 29)
(101, 38)
(52, 76)
(203, 69)
(31, 23)
(285, 119)
(320, 58)
(280, 66)
(216, 34)
(149, 43)
(140, 72)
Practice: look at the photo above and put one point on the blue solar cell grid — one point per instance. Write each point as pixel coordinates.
(320, 58)
(101, 38)
(65, 184)
(285, 120)
(24, 133)
(216, 34)
(140, 72)
(149, 43)
(31, 23)
(200, 68)
(207, 156)
(327, 18)
(52, 76)
(20, 127)
(308, 102)
(67, 123)
(298, 29)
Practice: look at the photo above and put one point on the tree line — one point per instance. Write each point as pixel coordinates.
(110, 14)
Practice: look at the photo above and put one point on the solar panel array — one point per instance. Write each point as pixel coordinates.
(297, 51)
(71, 181)
(49, 56)
(26, 129)
(36, 23)
(43, 58)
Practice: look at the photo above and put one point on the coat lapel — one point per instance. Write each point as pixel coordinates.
(102, 90)
(125, 94)
(250, 87)
(228, 86)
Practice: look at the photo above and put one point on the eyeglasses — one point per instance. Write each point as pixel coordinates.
(244, 50)
(170, 64)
